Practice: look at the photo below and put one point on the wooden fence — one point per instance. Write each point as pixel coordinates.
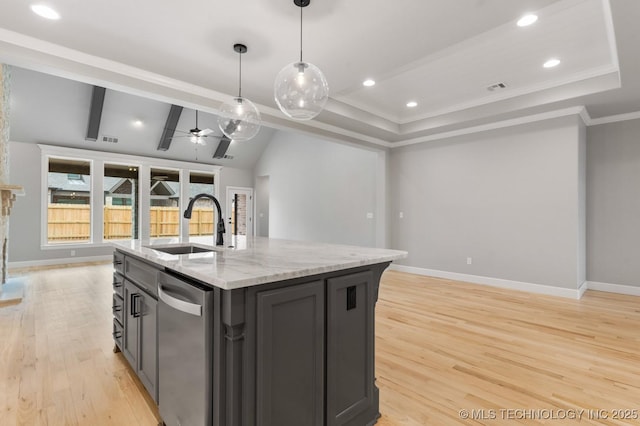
(69, 222)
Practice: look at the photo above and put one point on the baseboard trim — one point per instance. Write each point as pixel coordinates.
(583, 287)
(496, 282)
(60, 261)
(614, 288)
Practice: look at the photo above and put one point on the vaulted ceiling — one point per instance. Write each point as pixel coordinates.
(442, 54)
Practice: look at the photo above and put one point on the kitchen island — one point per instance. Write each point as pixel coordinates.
(284, 337)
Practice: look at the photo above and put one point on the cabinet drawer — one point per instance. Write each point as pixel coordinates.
(118, 284)
(118, 262)
(117, 333)
(117, 307)
(142, 274)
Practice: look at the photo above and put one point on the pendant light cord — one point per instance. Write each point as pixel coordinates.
(301, 33)
(240, 76)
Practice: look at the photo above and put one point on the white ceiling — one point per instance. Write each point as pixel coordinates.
(440, 53)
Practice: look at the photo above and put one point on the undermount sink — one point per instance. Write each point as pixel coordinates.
(181, 249)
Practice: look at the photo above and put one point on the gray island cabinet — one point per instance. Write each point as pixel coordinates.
(289, 335)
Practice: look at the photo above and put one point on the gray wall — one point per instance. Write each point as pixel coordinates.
(25, 224)
(320, 190)
(262, 206)
(25, 227)
(582, 202)
(508, 198)
(613, 203)
(230, 176)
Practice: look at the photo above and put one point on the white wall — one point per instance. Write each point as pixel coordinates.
(25, 223)
(321, 190)
(613, 203)
(509, 199)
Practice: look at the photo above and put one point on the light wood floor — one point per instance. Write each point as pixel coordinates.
(442, 347)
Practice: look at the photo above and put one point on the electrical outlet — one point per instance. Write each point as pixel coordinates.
(73, 253)
(469, 260)
(401, 215)
(369, 215)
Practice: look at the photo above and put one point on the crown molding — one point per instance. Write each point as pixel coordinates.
(614, 118)
(578, 111)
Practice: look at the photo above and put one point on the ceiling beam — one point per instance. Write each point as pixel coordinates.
(169, 127)
(95, 113)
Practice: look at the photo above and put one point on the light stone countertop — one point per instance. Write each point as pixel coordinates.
(256, 260)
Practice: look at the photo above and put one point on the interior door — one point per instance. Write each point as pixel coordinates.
(239, 211)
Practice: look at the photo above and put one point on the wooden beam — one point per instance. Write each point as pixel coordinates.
(169, 127)
(95, 114)
(222, 147)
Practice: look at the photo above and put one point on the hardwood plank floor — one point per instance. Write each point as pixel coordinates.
(445, 346)
(441, 347)
(57, 365)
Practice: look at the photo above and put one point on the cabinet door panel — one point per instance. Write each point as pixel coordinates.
(350, 338)
(148, 349)
(130, 338)
(290, 356)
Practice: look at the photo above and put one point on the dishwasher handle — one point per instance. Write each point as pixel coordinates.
(181, 305)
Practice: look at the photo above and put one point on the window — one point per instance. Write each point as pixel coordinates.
(68, 201)
(203, 214)
(92, 197)
(121, 202)
(165, 203)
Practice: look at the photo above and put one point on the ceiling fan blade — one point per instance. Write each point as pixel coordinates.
(205, 132)
(181, 131)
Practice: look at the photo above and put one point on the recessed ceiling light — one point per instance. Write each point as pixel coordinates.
(138, 123)
(369, 82)
(527, 20)
(45, 11)
(551, 63)
(412, 104)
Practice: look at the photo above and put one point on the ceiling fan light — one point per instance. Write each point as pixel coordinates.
(301, 91)
(239, 119)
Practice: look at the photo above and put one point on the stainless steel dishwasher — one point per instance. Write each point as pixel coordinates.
(185, 376)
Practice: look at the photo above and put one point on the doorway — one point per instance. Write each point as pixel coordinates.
(239, 211)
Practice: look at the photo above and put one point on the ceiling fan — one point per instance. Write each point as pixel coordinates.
(196, 135)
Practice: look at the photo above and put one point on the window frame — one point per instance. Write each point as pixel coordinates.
(97, 160)
(139, 215)
(186, 178)
(44, 202)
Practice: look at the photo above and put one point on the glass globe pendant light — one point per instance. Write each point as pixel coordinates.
(239, 119)
(300, 89)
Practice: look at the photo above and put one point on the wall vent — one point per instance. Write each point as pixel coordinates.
(228, 157)
(496, 86)
(111, 139)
